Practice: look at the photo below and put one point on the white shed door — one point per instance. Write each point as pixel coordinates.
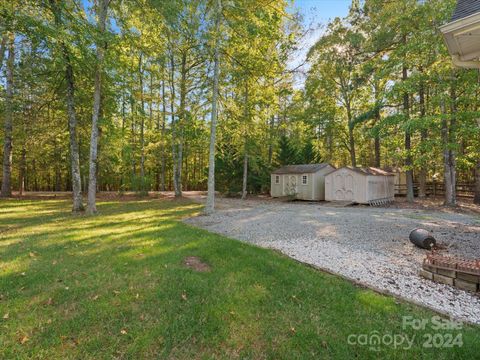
(343, 187)
(291, 185)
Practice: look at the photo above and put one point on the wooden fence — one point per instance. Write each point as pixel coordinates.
(437, 189)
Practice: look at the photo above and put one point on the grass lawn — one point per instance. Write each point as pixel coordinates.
(116, 286)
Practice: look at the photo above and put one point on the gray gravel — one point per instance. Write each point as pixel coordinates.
(367, 245)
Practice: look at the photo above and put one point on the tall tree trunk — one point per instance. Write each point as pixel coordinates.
(3, 45)
(408, 144)
(351, 139)
(72, 116)
(245, 172)
(476, 198)
(74, 149)
(122, 180)
(142, 128)
(57, 157)
(210, 205)
(102, 8)
(34, 172)
(422, 176)
(134, 142)
(6, 190)
(181, 124)
(272, 137)
(245, 150)
(176, 185)
(164, 120)
(377, 151)
(22, 171)
(377, 121)
(448, 153)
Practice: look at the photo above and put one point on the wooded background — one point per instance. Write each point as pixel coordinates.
(380, 90)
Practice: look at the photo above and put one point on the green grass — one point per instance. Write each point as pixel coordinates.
(114, 286)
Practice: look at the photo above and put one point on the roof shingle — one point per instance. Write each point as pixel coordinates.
(300, 169)
(465, 8)
(369, 171)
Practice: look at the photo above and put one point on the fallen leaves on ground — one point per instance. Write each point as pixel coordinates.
(49, 301)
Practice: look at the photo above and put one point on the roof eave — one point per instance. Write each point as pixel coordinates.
(451, 34)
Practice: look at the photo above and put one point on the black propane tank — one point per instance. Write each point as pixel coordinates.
(422, 238)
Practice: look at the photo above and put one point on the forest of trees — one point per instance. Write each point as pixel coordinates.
(120, 95)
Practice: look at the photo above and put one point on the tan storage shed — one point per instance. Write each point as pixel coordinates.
(305, 182)
(360, 185)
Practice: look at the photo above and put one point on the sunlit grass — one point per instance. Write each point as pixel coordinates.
(114, 286)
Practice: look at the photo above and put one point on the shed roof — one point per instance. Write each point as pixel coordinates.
(369, 171)
(300, 169)
(465, 8)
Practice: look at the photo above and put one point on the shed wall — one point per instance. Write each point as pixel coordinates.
(380, 187)
(289, 183)
(349, 185)
(276, 190)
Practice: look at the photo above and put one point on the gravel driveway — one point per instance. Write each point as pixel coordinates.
(367, 245)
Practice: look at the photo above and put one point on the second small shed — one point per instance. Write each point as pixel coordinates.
(363, 185)
(304, 182)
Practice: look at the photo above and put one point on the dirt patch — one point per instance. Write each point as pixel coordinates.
(195, 263)
(464, 205)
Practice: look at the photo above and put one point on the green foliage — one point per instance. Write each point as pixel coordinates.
(287, 153)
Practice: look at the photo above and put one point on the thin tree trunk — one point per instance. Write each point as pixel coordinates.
(181, 124)
(408, 145)
(164, 120)
(422, 176)
(74, 150)
(134, 142)
(210, 205)
(377, 121)
(57, 166)
(377, 151)
(3, 45)
(351, 139)
(448, 153)
(102, 8)
(122, 181)
(245, 172)
(476, 198)
(6, 190)
(245, 150)
(176, 188)
(142, 128)
(22, 171)
(72, 117)
(270, 145)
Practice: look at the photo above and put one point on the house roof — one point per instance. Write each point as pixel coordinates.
(465, 8)
(461, 34)
(369, 171)
(300, 169)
